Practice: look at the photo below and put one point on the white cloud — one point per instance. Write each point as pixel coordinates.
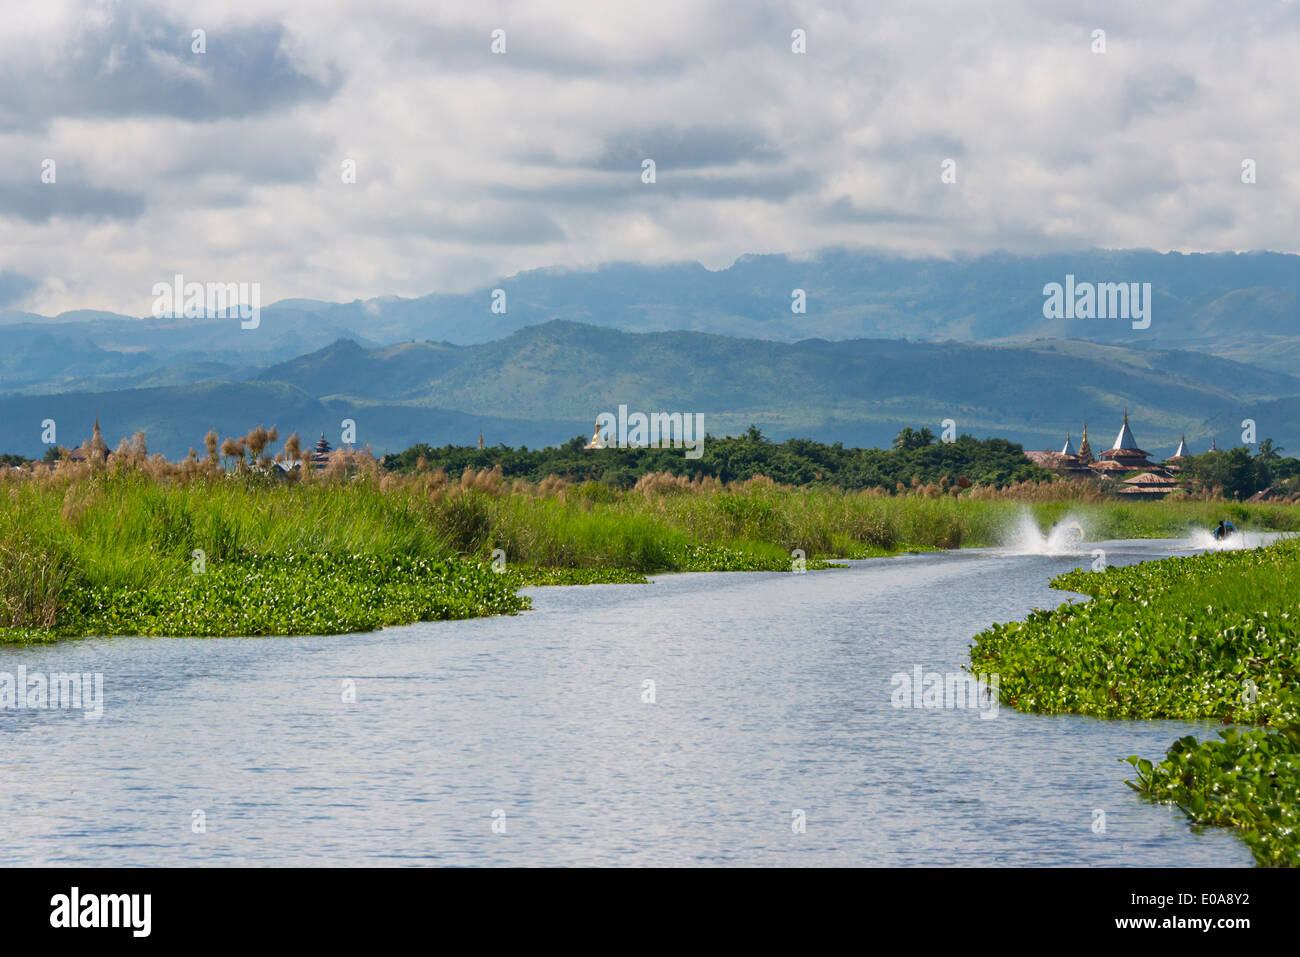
(471, 165)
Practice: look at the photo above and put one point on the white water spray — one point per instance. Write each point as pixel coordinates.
(1203, 539)
(1066, 537)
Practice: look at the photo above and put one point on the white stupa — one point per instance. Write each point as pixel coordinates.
(596, 441)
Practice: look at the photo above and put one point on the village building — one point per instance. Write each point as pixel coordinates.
(1123, 457)
(320, 454)
(1148, 485)
(1174, 462)
(1125, 451)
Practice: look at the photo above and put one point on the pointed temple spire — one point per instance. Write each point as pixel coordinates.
(1125, 438)
(1068, 448)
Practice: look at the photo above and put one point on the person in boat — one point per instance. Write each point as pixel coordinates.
(1225, 529)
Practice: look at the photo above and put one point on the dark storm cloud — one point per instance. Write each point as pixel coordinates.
(141, 64)
(14, 287)
(40, 202)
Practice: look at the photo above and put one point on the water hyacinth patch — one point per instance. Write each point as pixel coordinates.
(1205, 636)
(532, 577)
(292, 594)
(1247, 780)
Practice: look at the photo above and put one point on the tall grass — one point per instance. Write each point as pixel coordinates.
(130, 527)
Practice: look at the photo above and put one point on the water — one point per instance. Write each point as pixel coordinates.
(772, 695)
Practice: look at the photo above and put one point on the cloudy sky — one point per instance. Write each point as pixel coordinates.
(227, 165)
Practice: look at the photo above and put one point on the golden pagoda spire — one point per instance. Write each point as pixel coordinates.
(1085, 450)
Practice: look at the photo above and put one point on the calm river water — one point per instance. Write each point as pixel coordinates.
(772, 694)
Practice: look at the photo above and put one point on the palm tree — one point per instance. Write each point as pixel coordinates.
(1268, 451)
(905, 438)
(909, 439)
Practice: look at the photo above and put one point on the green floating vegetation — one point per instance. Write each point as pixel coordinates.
(1212, 636)
(534, 576)
(1248, 780)
(289, 594)
(1205, 636)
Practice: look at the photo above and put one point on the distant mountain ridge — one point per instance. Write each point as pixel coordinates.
(546, 383)
(1243, 306)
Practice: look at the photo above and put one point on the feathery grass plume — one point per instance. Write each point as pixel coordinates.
(552, 487)
(256, 441)
(210, 442)
(233, 448)
(434, 483)
(661, 483)
(336, 469)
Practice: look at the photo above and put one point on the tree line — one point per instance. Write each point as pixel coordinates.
(915, 459)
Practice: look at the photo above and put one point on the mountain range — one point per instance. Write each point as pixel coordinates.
(544, 384)
(884, 342)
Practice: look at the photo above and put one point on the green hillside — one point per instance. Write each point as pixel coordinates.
(544, 384)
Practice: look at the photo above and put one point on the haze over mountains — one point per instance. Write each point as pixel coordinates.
(1223, 340)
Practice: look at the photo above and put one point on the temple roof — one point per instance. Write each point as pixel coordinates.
(1125, 438)
(1068, 448)
(1181, 452)
(1150, 479)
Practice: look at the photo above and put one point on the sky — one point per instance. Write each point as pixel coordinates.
(228, 165)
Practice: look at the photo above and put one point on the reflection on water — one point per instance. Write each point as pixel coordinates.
(771, 696)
